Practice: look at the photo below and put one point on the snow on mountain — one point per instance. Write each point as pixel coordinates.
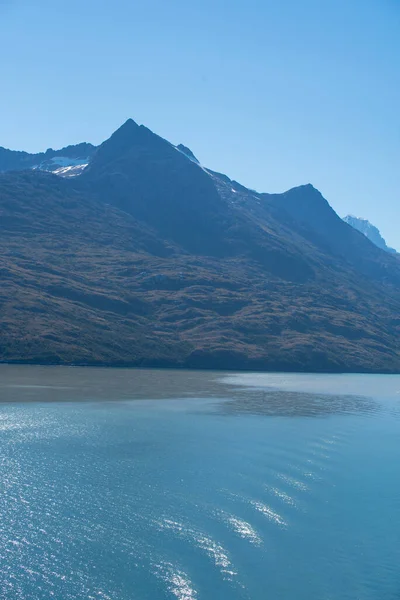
(64, 166)
(70, 171)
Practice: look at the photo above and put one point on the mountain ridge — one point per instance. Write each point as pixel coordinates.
(149, 259)
(16, 160)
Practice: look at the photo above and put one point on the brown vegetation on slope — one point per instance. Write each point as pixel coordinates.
(147, 259)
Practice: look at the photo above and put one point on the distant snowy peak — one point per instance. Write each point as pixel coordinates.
(64, 166)
(370, 231)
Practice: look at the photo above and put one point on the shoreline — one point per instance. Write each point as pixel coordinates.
(60, 384)
(183, 368)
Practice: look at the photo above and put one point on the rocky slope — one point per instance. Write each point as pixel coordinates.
(147, 258)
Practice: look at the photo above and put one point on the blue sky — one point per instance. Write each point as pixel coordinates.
(274, 94)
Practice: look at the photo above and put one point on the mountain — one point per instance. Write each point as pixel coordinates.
(51, 160)
(147, 258)
(370, 231)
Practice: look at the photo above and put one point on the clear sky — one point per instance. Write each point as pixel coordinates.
(272, 93)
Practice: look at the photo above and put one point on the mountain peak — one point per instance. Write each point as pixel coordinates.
(129, 124)
(126, 129)
(134, 144)
(120, 142)
(306, 196)
(306, 188)
(187, 152)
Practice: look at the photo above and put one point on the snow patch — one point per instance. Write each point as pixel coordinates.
(63, 166)
(72, 171)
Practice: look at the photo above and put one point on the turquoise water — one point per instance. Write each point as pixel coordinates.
(178, 485)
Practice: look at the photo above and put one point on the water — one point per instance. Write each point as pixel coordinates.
(125, 485)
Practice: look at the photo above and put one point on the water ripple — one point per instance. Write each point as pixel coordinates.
(285, 498)
(271, 515)
(212, 549)
(176, 580)
(243, 529)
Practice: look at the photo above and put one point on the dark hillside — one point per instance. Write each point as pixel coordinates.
(149, 259)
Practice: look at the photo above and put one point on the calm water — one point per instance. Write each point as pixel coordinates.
(152, 485)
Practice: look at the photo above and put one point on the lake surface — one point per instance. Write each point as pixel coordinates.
(153, 485)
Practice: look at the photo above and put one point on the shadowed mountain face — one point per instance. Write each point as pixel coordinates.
(147, 258)
(150, 179)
